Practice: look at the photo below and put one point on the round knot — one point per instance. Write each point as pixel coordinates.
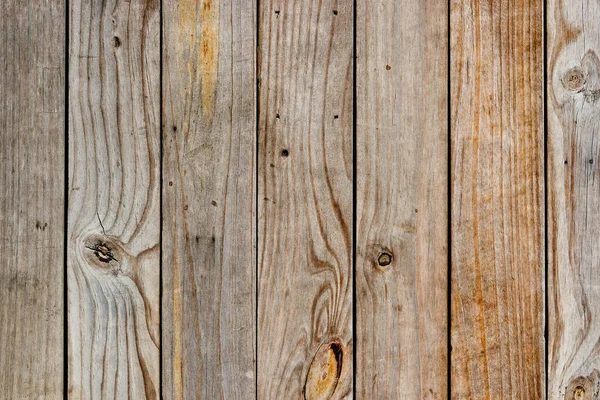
(574, 79)
(384, 259)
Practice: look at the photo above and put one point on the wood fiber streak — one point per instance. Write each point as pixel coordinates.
(209, 181)
(305, 168)
(114, 199)
(573, 87)
(497, 197)
(402, 189)
(32, 154)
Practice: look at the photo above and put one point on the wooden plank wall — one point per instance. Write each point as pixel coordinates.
(573, 87)
(332, 199)
(32, 171)
(209, 185)
(113, 247)
(401, 194)
(497, 200)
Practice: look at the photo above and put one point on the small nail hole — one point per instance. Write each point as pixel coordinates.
(277, 116)
(285, 153)
(336, 116)
(334, 12)
(388, 67)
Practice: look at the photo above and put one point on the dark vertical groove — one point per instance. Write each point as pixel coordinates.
(160, 234)
(354, 165)
(545, 134)
(66, 213)
(449, 194)
(256, 138)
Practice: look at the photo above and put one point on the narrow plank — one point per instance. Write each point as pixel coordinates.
(497, 200)
(402, 199)
(32, 154)
(573, 88)
(114, 199)
(305, 169)
(209, 217)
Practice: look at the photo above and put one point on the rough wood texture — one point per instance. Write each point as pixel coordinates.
(114, 199)
(573, 88)
(401, 162)
(209, 138)
(305, 171)
(497, 197)
(32, 73)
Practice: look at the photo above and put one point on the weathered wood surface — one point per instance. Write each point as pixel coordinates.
(401, 194)
(32, 154)
(114, 199)
(573, 87)
(305, 169)
(497, 200)
(209, 136)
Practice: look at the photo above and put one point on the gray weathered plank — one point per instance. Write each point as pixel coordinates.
(32, 73)
(305, 167)
(114, 199)
(209, 221)
(573, 88)
(402, 189)
(497, 197)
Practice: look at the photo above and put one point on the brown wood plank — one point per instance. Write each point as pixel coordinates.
(209, 218)
(305, 168)
(402, 199)
(114, 199)
(32, 162)
(573, 88)
(497, 198)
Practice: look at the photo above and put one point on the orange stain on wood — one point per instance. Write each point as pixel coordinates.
(324, 372)
(208, 55)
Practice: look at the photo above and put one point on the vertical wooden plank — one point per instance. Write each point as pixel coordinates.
(497, 215)
(402, 198)
(573, 87)
(209, 138)
(305, 169)
(32, 154)
(114, 199)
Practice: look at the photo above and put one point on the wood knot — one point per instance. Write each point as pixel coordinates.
(574, 79)
(581, 388)
(103, 252)
(324, 371)
(384, 259)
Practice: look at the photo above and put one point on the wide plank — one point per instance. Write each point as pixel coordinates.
(497, 199)
(32, 162)
(209, 192)
(305, 169)
(573, 88)
(114, 199)
(402, 199)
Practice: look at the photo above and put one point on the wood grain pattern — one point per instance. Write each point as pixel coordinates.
(402, 197)
(209, 218)
(114, 199)
(497, 214)
(32, 112)
(305, 168)
(573, 88)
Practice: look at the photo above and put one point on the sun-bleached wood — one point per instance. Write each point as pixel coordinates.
(209, 222)
(114, 199)
(402, 188)
(305, 169)
(497, 200)
(32, 137)
(573, 87)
